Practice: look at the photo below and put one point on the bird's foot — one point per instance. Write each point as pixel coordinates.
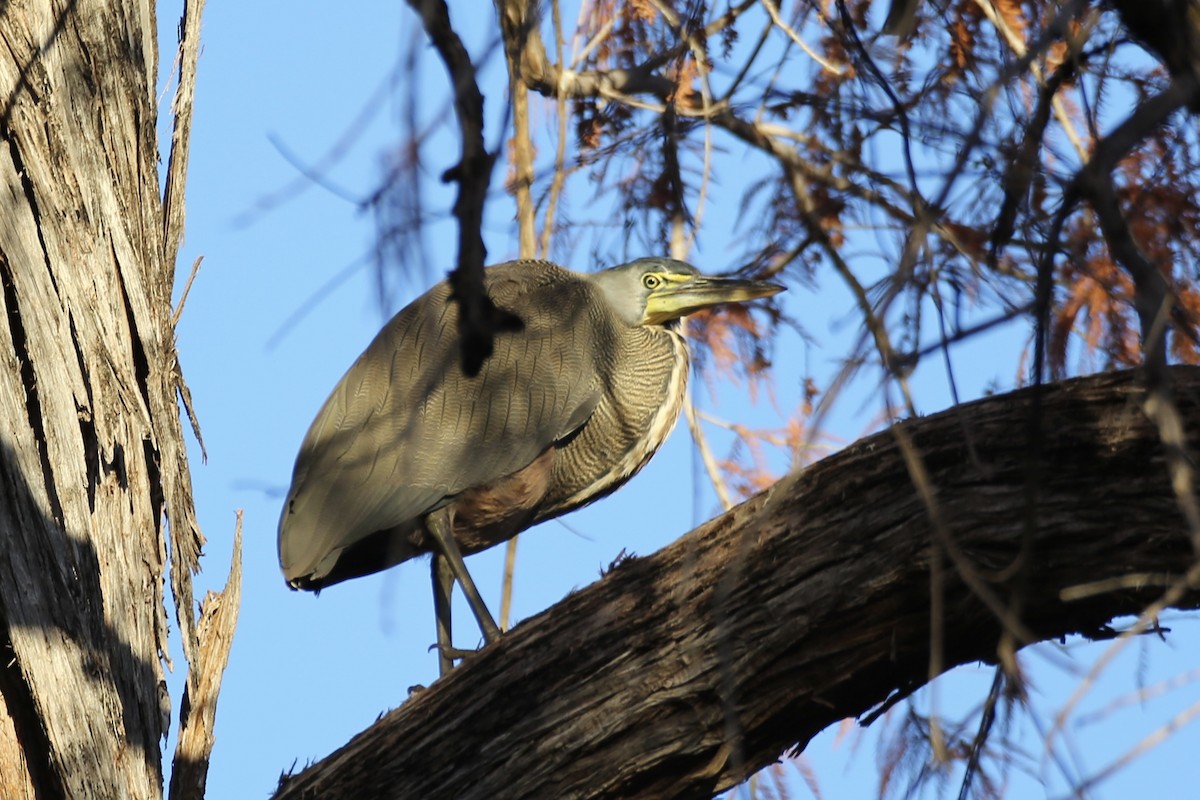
(452, 653)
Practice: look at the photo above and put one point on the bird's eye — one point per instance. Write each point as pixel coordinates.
(651, 281)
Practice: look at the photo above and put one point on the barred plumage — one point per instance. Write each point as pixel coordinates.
(409, 455)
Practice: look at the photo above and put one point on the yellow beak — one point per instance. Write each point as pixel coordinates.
(675, 300)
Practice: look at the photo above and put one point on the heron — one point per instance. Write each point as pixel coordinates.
(409, 455)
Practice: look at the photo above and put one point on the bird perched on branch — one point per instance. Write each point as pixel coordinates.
(409, 455)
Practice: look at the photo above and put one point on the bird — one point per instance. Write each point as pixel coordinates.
(410, 455)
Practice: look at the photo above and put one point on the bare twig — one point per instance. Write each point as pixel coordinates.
(187, 287)
(1146, 620)
(1139, 697)
(559, 177)
(514, 27)
(1151, 741)
(711, 468)
(778, 21)
(1018, 46)
(1136, 581)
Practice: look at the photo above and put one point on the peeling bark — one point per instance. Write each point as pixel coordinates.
(214, 637)
(92, 456)
(682, 673)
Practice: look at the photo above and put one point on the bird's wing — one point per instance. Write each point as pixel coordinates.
(405, 429)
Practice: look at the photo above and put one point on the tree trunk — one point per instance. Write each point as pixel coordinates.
(682, 673)
(91, 445)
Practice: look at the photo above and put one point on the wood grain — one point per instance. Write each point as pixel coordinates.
(92, 457)
(681, 673)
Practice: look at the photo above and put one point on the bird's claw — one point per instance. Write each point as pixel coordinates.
(451, 652)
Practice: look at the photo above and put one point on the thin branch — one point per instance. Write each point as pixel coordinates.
(1151, 741)
(506, 582)
(778, 21)
(1138, 581)
(711, 469)
(1147, 619)
(185, 393)
(1153, 299)
(596, 40)
(315, 174)
(1140, 697)
(514, 27)
(1018, 47)
(986, 719)
(559, 178)
(187, 288)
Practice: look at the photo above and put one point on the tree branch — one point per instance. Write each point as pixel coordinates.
(1153, 299)
(478, 319)
(682, 673)
(516, 19)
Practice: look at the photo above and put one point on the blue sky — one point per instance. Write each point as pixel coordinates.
(307, 673)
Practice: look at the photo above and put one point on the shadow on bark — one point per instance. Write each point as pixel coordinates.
(684, 672)
(50, 583)
(22, 81)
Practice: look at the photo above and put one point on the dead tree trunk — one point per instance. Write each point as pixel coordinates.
(91, 446)
(682, 673)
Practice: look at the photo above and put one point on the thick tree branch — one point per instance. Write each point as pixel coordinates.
(1171, 30)
(682, 673)
(1094, 183)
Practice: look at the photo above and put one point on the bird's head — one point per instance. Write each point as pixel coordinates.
(655, 291)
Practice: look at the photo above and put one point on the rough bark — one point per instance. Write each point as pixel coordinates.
(91, 447)
(681, 673)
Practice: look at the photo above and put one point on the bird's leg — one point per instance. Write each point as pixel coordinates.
(442, 530)
(443, 588)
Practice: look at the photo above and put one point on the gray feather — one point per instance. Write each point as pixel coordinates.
(401, 414)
